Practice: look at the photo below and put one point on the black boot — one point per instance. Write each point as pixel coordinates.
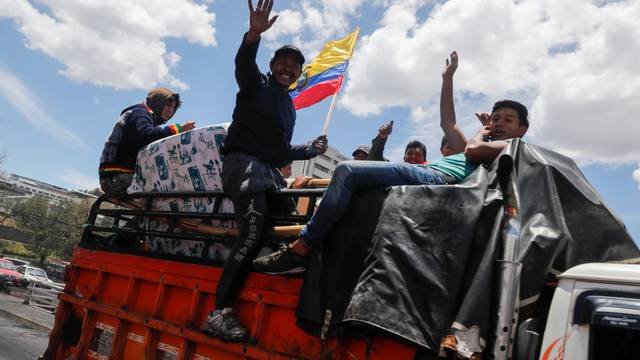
(282, 262)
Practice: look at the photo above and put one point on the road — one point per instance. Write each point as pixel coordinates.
(18, 342)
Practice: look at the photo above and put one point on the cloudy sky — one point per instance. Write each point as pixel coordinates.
(69, 66)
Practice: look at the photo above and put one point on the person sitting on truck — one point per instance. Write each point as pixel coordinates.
(361, 153)
(138, 126)
(508, 120)
(257, 144)
(414, 153)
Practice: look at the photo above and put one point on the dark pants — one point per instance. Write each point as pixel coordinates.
(250, 214)
(247, 181)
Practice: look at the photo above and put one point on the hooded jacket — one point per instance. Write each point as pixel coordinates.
(264, 116)
(138, 126)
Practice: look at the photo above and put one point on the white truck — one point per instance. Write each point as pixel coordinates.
(595, 314)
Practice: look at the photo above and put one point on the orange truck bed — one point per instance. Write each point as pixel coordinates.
(123, 306)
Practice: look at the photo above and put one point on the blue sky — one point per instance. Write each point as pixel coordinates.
(68, 67)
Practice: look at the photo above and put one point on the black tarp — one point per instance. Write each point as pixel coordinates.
(410, 261)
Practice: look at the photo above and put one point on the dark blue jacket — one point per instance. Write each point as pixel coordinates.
(264, 116)
(136, 128)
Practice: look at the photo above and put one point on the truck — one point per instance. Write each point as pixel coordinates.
(124, 299)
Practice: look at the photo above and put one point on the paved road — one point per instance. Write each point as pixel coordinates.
(18, 342)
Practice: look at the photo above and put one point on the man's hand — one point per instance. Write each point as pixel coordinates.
(259, 21)
(385, 130)
(450, 65)
(300, 182)
(484, 118)
(319, 145)
(189, 125)
(483, 133)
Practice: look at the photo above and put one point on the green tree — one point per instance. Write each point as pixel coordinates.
(55, 227)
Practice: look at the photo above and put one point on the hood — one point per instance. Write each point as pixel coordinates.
(158, 97)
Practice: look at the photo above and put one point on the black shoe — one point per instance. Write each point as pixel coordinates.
(224, 325)
(283, 261)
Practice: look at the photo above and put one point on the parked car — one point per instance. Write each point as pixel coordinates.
(17, 262)
(33, 273)
(8, 274)
(55, 271)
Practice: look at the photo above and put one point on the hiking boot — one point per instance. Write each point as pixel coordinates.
(283, 261)
(224, 325)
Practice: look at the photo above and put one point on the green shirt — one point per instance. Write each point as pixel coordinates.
(457, 166)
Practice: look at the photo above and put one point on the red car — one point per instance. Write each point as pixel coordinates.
(8, 273)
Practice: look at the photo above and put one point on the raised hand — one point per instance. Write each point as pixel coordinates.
(259, 21)
(451, 65)
(385, 130)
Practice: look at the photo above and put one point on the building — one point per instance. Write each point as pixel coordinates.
(16, 186)
(320, 167)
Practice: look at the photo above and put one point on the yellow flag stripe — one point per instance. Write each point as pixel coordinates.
(334, 53)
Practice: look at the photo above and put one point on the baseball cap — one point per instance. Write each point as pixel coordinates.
(363, 148)
(290, 49)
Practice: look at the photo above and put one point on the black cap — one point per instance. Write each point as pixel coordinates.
(290, 49)
(364, 148)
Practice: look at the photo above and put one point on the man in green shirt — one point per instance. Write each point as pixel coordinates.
(507, 120)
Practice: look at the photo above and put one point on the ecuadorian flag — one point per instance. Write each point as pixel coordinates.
(323, 77)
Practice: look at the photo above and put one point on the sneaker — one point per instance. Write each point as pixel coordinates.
(281, 262)
(224, 325)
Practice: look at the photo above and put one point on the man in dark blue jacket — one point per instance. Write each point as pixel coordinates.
(138, 126)
(257, 144)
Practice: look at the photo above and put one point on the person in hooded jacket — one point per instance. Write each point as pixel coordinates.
(138, 126)
(257, 144)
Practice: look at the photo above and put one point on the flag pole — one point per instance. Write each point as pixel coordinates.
(327, 120)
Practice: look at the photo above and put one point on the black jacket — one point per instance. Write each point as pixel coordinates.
(264, 116)
(136, 128)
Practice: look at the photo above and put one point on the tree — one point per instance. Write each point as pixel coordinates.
(55, 227)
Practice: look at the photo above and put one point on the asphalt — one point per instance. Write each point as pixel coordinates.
(12, 307)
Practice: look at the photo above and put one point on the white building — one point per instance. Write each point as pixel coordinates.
(320, 167)
(22, 186)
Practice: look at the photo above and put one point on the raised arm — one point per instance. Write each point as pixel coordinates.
(247, 73)
(377, 144)
(455, 137)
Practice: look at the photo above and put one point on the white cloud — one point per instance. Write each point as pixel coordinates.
(636, 175)
(78, 180)
(112, 43)
(289, 22)
(574, 63)
(313, 22)
(19, 95)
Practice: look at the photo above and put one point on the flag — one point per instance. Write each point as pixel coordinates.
(323, 77)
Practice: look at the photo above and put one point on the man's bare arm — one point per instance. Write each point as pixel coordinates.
(452, 132)
(480, 151)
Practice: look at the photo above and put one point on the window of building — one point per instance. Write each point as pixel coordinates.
(325, 157)
(322, 168)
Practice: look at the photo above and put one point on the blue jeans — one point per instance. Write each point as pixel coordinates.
(352, 175)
